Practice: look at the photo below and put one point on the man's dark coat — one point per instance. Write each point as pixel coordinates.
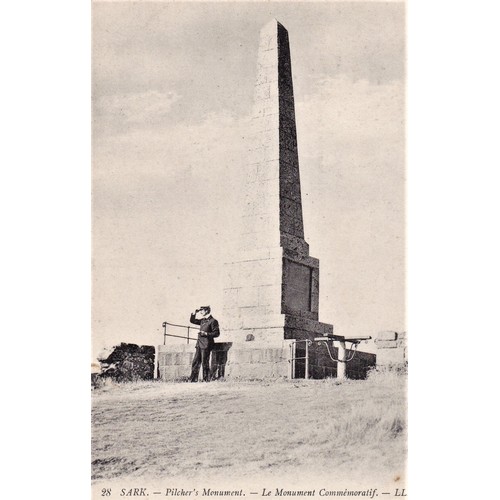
(209, 329)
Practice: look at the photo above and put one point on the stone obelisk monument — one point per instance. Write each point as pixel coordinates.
(272, 288)
(271, 293)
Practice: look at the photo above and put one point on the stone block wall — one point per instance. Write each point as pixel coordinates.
(392, 349)
(252, 296)
(258, 363)
(174, 361)
(254, 361)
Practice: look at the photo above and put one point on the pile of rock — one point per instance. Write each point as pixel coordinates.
(128, 362)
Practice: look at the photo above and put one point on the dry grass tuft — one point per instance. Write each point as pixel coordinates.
(156, 429)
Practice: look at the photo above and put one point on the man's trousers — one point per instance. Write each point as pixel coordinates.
(201, 357)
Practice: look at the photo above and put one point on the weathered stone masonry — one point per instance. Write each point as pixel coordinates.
(271, 292)
(272, 285)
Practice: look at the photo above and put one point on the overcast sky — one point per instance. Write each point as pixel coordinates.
(172, 96)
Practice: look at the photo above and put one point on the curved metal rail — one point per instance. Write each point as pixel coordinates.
(188, 328)
(345, 355)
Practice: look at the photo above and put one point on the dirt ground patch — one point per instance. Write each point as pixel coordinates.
(242, 430)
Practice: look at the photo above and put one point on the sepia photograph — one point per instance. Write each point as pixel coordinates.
(244, 216)
(248, 249)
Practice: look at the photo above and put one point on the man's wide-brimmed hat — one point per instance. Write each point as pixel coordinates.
(206, 308)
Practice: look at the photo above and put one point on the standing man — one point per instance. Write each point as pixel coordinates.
(209, 329)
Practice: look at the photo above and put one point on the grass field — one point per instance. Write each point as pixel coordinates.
(242, 430)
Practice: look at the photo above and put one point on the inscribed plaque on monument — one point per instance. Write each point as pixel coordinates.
(248, 168)
(297, 292)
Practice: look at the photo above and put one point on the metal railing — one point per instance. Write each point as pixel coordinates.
(293, 357)
(188, 328)
(344, 355)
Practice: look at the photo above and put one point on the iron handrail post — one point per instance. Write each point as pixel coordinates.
(341, 363)
(307, 360)
(293, 357)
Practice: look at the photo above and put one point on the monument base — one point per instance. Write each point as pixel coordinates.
(250, 361)
(272, 330)
(258, 363)
(266, 353)
(227, 361)
(174, 361)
